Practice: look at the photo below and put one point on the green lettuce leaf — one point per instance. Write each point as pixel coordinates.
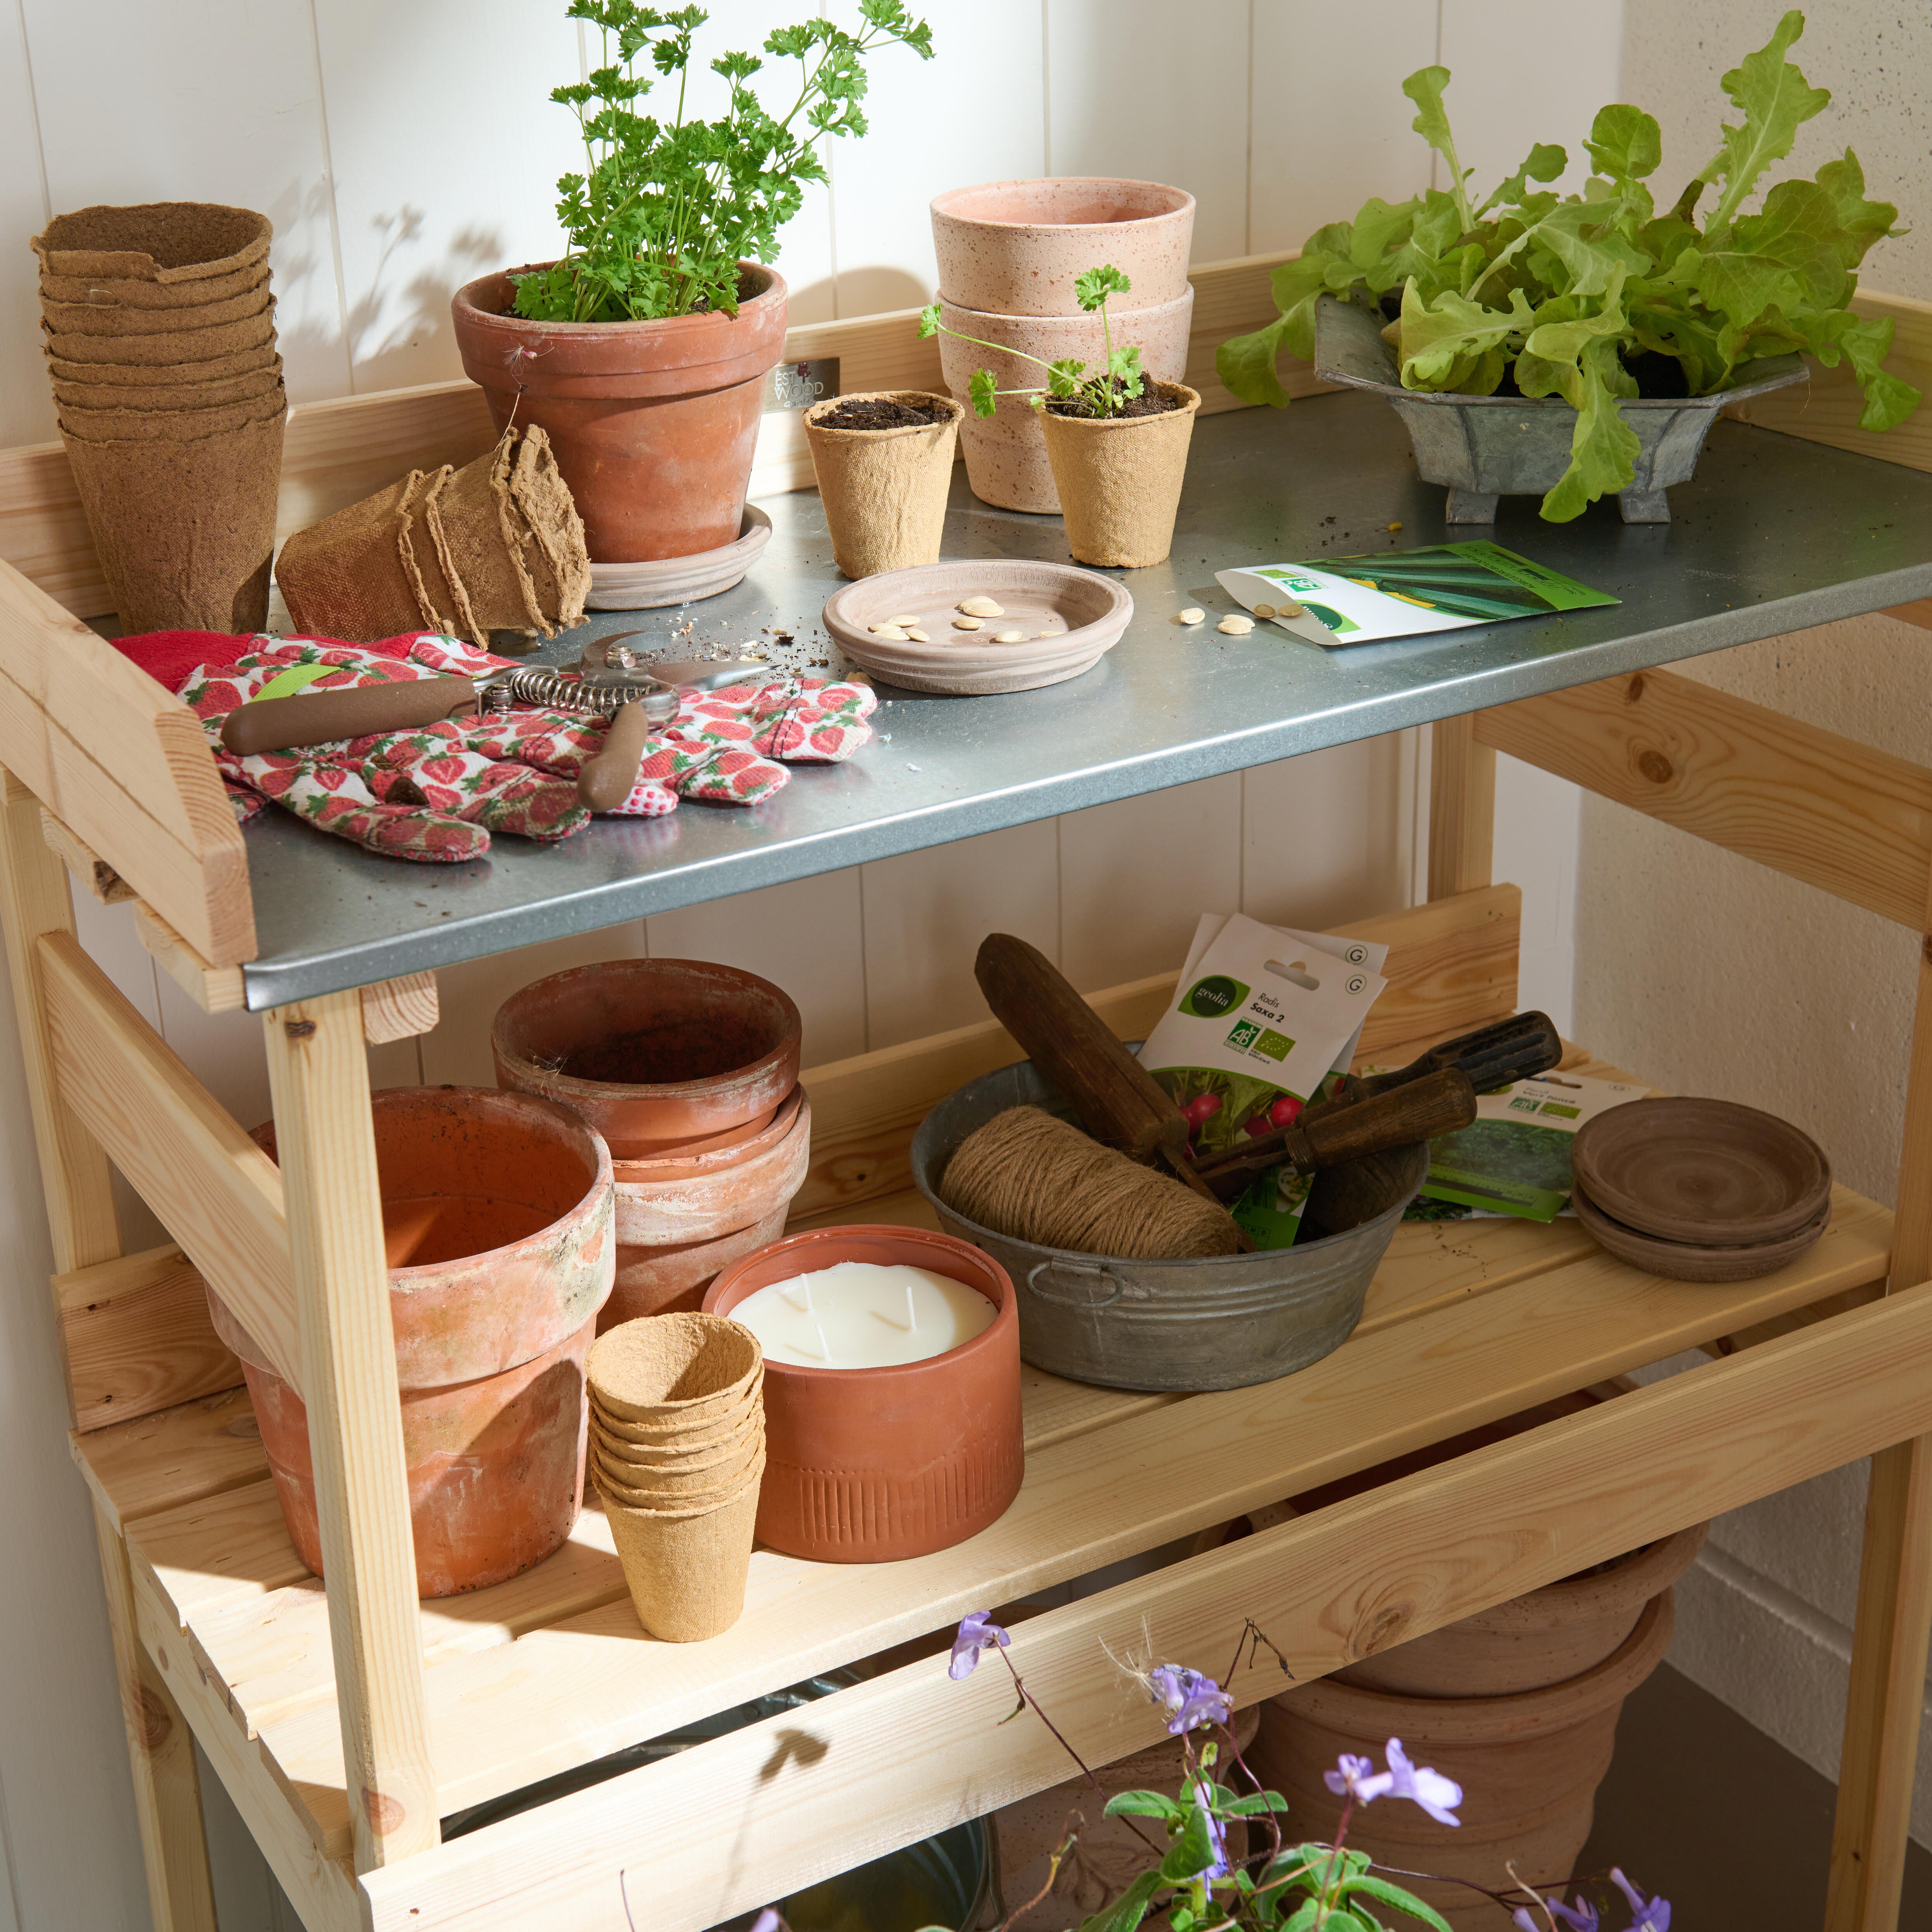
(1775, 100)
(1435, 338)
(1625, 145)
(1424, 87)
(1863, 222)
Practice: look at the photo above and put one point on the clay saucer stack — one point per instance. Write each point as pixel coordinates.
(1700, 1190)
(677, 1450)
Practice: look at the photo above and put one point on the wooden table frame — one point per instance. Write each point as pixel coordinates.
(331, 1757)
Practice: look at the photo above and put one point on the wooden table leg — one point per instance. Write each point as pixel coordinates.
(1461, 809)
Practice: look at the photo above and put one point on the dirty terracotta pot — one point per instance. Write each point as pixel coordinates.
(691, 1052)
(1007, 462)
(1017, 248)
(674, 1200)
(655, 424)
(868, 1466)
(497, 1218)
(884, 490)
(1119, 479)
(1529, 1766)
(671, 1279)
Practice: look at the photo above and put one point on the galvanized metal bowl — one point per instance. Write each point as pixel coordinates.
(1484, 447)
(1221, 1323)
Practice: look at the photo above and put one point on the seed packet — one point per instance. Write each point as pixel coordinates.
(1515, 1158)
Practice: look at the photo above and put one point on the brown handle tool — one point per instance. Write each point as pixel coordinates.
(321, 717)
(609, 779)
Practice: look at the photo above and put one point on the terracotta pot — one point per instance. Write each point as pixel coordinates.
(655, 424)
(1529, 1766)
(723, 1044)
(1111, 1856)
(653, 1280)
(669, 1202)
(1007, 462)
(1119, 479)
(884, 490)
(867, 1465)
(1017, 248)
(1536, 1639)
(496, 1209)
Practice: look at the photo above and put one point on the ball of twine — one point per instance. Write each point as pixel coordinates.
(1036, 1178)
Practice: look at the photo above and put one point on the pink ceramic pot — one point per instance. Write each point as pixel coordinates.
(1017, 248)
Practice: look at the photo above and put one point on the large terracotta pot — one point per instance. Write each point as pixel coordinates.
(655, 424)
(867, 1465)
(497, 1213)
(1529, 1766)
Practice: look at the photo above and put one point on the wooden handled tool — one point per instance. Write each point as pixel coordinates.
(611, 777)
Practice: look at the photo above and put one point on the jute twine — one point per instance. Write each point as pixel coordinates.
(1038, 1178)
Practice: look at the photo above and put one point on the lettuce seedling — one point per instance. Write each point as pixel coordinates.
(1565, 292)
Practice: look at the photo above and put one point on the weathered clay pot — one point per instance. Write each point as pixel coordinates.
(654, 1279)
(673, 1200)
(655, 424)
(1119, 479)
(1529, 1766)
(867, 1465)
(721, 1048)
(884, 490)
(1017, 248)
(1007, 462)
(496, 1210)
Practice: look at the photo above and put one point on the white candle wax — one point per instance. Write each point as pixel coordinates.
(863, 1315)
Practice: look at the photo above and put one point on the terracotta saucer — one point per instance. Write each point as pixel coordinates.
(680, 580)
(1708, 1172)
(1082, 613)
(1684, 1260)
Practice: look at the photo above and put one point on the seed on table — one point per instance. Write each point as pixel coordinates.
(982, 607)
(1236, 625)
(886, 631)
(1193, 614)
(1289, 611)
(966, 623)
(905, 620)
(1264, 611)
(916, 635)
(1010, 637)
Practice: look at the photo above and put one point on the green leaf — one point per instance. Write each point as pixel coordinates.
(1602, 447)
(1775, 100)
(1304, 1916)
(1545, 163)
(1191, 1852)
(985, 391)
(1094, 285)
(1402, 1901)
(1142, 1805)
(1424, 87)
(1863, 222)
(1259, 1805)
(1624, 144)
(1865, 341)
(928, 322)
(1436, 337)
(1128, 1910)
(1246, 364)
(1379, 226)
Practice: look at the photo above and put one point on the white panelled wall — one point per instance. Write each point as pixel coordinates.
(402, 150)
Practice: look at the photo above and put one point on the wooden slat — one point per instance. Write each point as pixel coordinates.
(1805, 801)
(163, 1462)
(215, 989)
(1461, 809)
(399, 1009)
(319, 1075)
(139, 1339)
(217, 1192)
(1396, 1561)
(1919, 614)
(102, 883)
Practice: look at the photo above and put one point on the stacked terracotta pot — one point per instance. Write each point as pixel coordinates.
(689, 1071)
(160, 341)
(1010, 255)
(677, 1425)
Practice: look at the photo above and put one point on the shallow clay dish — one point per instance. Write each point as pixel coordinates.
(1084, 614)
(680, 580)
(1685, 1261)
(1709, 1172)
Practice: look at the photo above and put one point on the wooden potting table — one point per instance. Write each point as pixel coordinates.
(346, 1723)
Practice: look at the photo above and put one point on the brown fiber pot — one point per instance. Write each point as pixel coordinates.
(496, 1212)
(884, 490)
(1529, 1766)
(721, 1047)
(1119, 479)
(868, 1466)
(655, 424)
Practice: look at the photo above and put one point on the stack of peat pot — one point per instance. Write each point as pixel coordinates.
(1010, 253)
(160, 341)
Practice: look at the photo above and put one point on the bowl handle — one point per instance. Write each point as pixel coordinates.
(1057, 1266)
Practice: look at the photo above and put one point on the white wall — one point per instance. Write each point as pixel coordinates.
(401, 150)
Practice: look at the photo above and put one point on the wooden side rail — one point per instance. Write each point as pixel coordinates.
(1392, 1563)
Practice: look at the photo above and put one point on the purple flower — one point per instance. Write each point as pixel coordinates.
(1357, 1778)
(977, 1632)
(1582, 1917)
(768, 1921)
(1652, 1914)
(1189, 1698)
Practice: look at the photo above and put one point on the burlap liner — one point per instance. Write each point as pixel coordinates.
(344, 577)
(165, 352)
(126, 292)
(685, 1571)
(436, 599)
(111, 319)
(162, 241)
(681, 1431)
(86, 395)
(884, 490)
(135, 375)
(188, 425)
(184, 531)
(664, 1366)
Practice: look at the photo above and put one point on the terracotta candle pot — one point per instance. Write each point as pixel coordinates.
(884, 490)
(1119, 479)
(867, 1465)
(496, 1209)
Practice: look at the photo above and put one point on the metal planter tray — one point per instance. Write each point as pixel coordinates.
(1220, 1324)
(1484, 447)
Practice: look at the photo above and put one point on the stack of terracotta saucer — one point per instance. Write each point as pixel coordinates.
(161, 342)
(1700, 1190)
(677, 1451)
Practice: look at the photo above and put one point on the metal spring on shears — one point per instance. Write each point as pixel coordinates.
(545, 690)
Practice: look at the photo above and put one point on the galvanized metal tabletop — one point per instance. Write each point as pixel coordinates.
(1773, 534)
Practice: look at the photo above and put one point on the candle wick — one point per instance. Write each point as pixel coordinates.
(822, 1343)
(912, 1313)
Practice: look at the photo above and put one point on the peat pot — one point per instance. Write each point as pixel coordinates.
(1221, 1323)
(655, 424)
(1119, 479)
(496, 1212)
(868, 1466)
(884, 490)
